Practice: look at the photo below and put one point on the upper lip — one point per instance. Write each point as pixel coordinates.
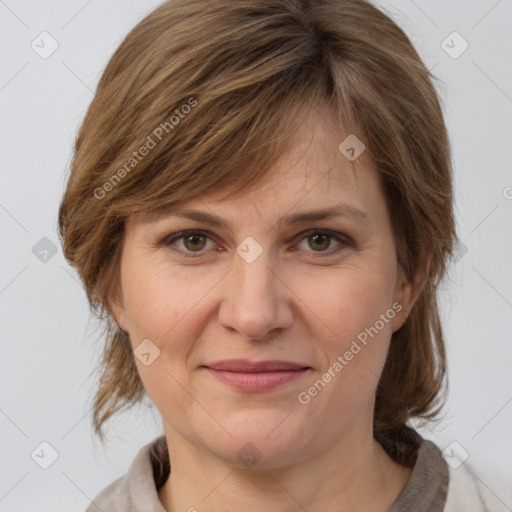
(244, 365)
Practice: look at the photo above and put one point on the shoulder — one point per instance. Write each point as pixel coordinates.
(136, 490)
(443, 481)
(110, 498)
(466, 491)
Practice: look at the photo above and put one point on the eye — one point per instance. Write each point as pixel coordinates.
(321, 242)
(194, 243)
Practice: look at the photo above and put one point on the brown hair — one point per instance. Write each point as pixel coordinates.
(212, 89)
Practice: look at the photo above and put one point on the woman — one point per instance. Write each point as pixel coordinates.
(260, 208)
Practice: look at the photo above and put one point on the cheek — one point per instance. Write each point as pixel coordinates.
(354, 317)
(159, 298)
(353, 339)
(163, 305)
(171, 308)
(346, 301)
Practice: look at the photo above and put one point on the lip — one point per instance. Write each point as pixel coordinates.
(256, 375)
(246, 366)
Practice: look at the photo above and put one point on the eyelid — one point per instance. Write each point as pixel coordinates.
(342, 239)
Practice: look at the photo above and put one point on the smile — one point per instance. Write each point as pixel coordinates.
(257, 380)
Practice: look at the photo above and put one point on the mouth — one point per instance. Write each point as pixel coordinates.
(256, 376)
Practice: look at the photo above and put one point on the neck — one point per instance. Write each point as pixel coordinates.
(355, 474)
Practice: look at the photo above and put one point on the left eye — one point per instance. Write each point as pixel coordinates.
(195, 241)
(320, 241)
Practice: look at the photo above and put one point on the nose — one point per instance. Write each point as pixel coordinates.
(256, 302)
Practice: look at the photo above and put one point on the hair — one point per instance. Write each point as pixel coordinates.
(213, 90)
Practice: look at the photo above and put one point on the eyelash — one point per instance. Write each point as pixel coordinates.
(343, 241)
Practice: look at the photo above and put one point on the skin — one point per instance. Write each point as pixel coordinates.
(297, 301)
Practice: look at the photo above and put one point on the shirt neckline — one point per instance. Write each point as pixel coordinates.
(426, 488)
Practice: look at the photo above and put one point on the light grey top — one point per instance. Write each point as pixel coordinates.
(137, 490)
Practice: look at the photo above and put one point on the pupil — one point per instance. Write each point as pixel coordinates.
(324, 237)
(193, 239)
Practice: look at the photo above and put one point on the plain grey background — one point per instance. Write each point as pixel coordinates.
(49, 340)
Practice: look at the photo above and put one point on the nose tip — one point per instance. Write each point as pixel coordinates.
(255, 302)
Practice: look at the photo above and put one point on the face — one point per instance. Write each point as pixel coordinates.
(324, 293)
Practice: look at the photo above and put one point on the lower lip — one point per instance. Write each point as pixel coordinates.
(260, 381)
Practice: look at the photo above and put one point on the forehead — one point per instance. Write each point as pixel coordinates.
(312, 171)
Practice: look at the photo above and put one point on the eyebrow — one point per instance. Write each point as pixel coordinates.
(340, 210)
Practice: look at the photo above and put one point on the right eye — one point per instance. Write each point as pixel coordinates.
(192, 241)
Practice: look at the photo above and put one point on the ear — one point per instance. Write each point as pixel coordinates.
(407, 292)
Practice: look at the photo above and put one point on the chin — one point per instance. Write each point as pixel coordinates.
(262, 440)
